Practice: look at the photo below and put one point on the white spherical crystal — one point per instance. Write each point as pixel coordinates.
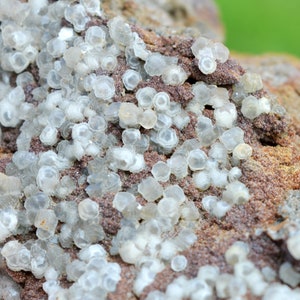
(220, 52)
(174, 75)
(131, 79)
(207, 65)
(293, 245)
(250, 107)
(202, 180)
(178, 263)
(95, 36)
(161, 171)
(150, 189)
(46, 221)
(197, 160)
(129, 114)
(199, 44)
(120, 31)
(145, 97)
(56, 47)
(123, 200)
(108, 62)
(76, 15)
(161, 101)
(47, 179)
(167, 138)
(175, 192)
(155, 64)
(88, 209)
(148, 119)
(226, 115)
(232, 137)
(251, 82)
(178, 165)
(236, 193)
(104, 87)
(242, 151)
(49, 135)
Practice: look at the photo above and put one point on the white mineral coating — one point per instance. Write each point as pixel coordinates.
(88, 209)
(293, 245)
(181, 120)
(150, 189)
(174, 75)
(129, 114)
(219, 153)
(242, 152)
(155, 64)
(178, 263)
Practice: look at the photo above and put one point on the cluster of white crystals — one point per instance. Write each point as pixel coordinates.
(75, 103)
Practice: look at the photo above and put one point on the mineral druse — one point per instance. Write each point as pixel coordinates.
(88, 89)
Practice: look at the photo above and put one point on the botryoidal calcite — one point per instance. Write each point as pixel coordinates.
(102, 93)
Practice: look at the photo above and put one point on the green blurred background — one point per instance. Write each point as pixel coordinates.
(260, 26)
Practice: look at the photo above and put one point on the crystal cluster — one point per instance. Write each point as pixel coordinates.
(78, 103)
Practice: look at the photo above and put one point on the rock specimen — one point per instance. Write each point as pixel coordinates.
(139, 163)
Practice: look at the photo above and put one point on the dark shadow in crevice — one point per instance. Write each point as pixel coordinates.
(268, 142)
